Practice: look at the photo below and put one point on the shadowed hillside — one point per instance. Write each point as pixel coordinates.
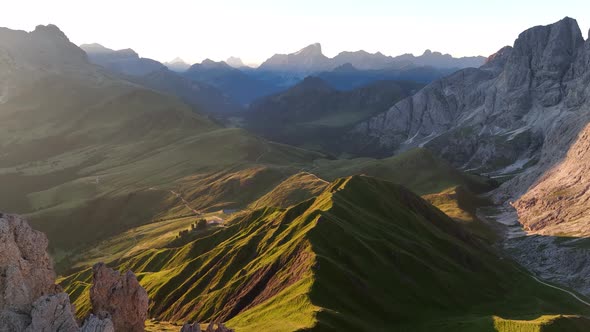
(81, 147)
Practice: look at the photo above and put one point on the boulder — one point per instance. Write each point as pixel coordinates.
(220, 328)
(98, 324)
(52, 313)
(188, 327)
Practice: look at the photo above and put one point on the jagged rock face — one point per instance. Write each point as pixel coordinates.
(520, 110)
(26, 271)
(53, 313)
(121, 296)
(29, 299)
(558, 202)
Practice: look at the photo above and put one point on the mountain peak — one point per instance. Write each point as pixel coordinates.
(546, 46)
(177, 64)
(208, 63)
(311, 50)
(565, 30)
(307, 60)
(235, 62)
(177, 60)
(50, 30)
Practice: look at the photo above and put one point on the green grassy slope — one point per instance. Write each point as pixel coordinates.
(417, 169)
(249, 186)
(365, 254)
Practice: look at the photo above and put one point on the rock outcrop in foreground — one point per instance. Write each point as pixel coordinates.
(31, 302)
(29, 299)
(121, 296)
(26, 271)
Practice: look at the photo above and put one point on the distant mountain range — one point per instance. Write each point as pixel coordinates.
(311, 59)
(347, 77)
(155, 75)
(242, 84)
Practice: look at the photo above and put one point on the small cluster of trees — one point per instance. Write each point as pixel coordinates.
(200, 224)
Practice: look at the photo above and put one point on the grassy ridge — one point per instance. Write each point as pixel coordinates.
(255, 185)
(295, 189)
(363, 255)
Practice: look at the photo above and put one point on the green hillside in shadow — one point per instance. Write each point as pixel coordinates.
(365, 254)
(86, 155)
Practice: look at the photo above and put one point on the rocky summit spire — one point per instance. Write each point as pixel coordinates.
(311, 50)
(544, 53)
(50, 31)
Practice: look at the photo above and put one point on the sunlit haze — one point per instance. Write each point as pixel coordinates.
(254, 30)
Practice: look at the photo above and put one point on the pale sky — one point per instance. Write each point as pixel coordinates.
(256, 29)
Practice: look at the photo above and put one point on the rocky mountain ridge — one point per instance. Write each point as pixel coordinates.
(516, 114)
(125, 61)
